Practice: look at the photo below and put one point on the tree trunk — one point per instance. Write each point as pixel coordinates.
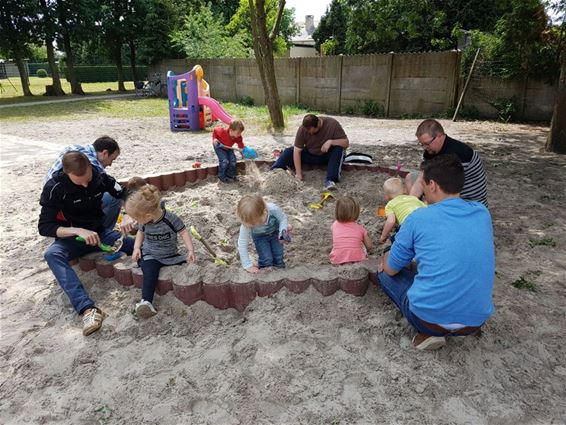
(133, 60)
(56, 90)
(118, 61)
(556, 141)
(70, 62)
(23, 72)
(263, 50)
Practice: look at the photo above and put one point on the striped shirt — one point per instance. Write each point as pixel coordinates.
(475, 188)
(160, 239)
(88, 150)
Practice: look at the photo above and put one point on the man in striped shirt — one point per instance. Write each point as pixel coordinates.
(432, 138)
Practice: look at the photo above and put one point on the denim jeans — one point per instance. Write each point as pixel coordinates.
(269, 250)
(333, 159)
(150, 269)
(111, 208)
(396, 287)
(65, 249)
(226, 162)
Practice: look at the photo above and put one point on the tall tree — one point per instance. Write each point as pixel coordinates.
(49, 32)
(263, 48)
(113, 16)
(332, 29)
(18, 20)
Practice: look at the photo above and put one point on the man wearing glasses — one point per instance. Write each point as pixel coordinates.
(432, 138)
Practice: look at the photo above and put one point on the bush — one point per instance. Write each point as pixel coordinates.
(245, 100)
(506, 108)
(41, 73)
(372, 109)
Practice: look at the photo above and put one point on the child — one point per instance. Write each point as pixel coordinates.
(347, 235)
(156, 241)
(222, 140)
(267, 225)
(398, 206)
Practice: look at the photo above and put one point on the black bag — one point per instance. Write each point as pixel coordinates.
(358, 158)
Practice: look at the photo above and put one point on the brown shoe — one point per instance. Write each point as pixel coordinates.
(92, 320)
(428, 342)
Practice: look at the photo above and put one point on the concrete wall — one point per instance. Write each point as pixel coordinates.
(401, 84)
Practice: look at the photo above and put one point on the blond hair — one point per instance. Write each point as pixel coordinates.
(136, 183)
(347, 209)
(145, 200)
(236, 125)
(251, 209)
(394, 186)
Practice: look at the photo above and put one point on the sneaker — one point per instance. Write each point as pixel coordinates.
(92, 320)
(427, 342)
(224, 179)
(145, 309)
(234, 179)
(329, 185)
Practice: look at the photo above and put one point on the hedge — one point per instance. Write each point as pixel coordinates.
(104, 73)
(33, 67)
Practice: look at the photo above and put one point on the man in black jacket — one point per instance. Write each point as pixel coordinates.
(71, 206)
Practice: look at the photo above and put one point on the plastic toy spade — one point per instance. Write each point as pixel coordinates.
(249, 153)
(217, 260)
(319, 205)
(102, 246)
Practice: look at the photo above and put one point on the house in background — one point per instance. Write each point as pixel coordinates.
(303, 44)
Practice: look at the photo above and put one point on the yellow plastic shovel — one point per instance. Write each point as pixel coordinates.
(319, 205)
(217, 260)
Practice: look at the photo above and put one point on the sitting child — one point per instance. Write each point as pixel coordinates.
(223, 140)
(398, 206)
(348, 237)
(267, 225)
(156, 241)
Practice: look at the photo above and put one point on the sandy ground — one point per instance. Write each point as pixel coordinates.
(287, 359)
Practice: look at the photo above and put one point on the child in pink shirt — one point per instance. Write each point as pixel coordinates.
(348, 237)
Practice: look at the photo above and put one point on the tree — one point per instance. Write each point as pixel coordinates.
(332, 29)
(263, 48)
(49, 33)
(18, 20)
(113, 16)
(203, 36)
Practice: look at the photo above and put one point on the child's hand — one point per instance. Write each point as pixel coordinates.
(127, 225)
(383, 239)
(136, 254)
(191, 257)
(252, 269)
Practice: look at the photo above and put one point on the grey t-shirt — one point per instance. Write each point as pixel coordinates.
(160, 239)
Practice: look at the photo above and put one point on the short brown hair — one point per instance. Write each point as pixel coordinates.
(236, 125)
(76, 163)
(310, 121)
(430, 127)
(347, 209)
(251, 209)
(145, 200)
(135, 183)
(446, 170)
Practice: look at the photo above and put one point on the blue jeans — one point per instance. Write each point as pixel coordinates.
(111, 208)
(396, 287)
(63, 250)
(333, 159)
(150, 269)
(226, 162)
(269, 250)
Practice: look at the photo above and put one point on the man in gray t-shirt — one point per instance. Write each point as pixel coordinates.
(319, 141)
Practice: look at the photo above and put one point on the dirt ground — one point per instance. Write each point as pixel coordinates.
(287, 359)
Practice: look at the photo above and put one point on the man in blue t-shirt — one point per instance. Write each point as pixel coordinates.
(452, 244)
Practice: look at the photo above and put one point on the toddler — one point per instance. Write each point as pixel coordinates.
(266, 224)
(223, 140)
(348, 237)
(156, 241)
(398, 206)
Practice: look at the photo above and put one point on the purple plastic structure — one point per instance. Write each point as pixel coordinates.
(184, 111)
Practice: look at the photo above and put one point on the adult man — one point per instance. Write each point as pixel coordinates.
(319, 141)
(71, 206)
(452, 243)
(432, 138)
(101, 154)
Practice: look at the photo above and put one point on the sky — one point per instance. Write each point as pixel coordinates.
(308, 7)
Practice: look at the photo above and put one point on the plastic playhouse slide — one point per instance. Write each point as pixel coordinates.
(216, 109)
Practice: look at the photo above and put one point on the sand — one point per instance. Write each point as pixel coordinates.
(290, 358)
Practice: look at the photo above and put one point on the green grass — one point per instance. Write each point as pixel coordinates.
(542, 242)
(37, 86)
(524, 283)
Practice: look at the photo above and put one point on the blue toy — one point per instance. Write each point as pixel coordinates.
(249, 153)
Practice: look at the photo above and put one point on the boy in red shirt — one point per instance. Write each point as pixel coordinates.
(223, 140)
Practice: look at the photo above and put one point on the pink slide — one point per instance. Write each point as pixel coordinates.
(215, 108)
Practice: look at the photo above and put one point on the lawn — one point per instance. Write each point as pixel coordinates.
(12, 92)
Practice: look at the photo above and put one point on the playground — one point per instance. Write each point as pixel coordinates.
(288, 358)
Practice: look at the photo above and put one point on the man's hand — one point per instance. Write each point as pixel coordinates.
(90, 237)
(128, 224)
(299, 176)
(136, 254)
(191, 257)
(252, 269)
(382, 239)
(326, 146)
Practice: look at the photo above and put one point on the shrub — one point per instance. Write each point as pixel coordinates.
(372, 109)
(506, 108)
(41, 73)
(245, 100)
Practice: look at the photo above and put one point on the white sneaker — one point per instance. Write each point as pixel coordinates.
(92, 320)
(330, 185)
(145, 309)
